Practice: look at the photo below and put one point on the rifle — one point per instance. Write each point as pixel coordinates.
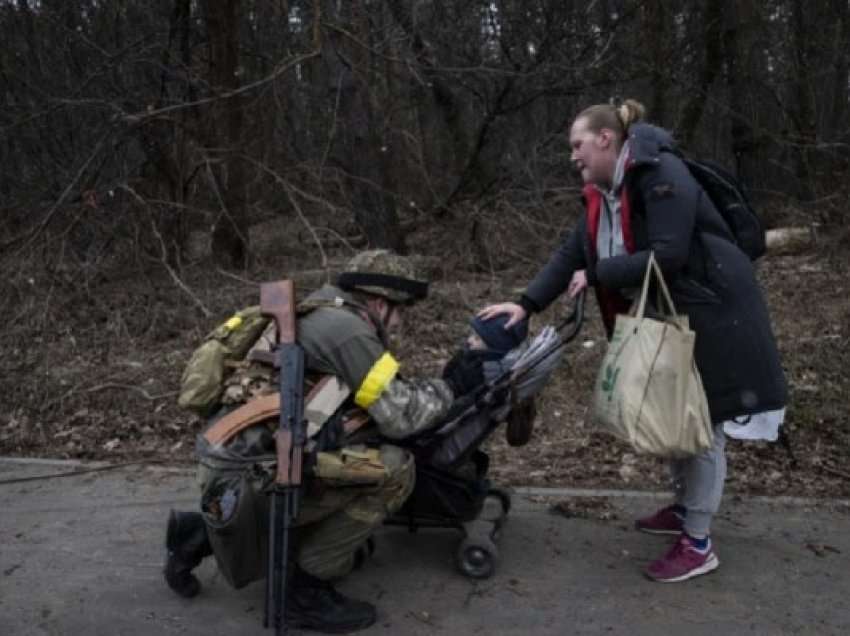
(277, 301)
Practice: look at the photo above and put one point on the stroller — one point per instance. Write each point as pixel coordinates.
(452, 488)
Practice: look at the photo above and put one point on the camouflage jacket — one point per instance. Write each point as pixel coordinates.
(338, 340)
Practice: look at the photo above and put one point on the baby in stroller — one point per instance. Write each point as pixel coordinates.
(486, 345)
(496, 373)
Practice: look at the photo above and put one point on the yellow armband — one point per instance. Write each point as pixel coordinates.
(378, 378)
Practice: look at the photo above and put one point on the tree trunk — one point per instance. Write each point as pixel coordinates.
(656, 27)
(167, 141)
(838, 130)
(225, 120)
(710, 66)
(445, 140)
(363, 147)
(741, 19)
(804, 119)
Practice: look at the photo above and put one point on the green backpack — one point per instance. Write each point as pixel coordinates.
(203, 379)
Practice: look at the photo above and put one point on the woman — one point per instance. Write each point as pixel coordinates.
(640, 197)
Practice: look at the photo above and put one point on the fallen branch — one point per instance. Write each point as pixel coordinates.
(107, 385)
(74, 473)
(131, 387)
(835, 471)
(790, 240)
(83, 471)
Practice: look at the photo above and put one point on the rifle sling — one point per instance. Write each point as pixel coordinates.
(268, 406)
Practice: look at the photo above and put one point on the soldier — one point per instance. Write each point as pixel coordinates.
(343, 330)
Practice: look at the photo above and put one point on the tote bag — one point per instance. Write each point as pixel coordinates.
(648, 391)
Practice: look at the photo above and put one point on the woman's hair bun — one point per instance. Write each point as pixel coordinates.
(629, 112)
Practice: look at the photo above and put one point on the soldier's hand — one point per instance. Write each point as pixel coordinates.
(464, 372)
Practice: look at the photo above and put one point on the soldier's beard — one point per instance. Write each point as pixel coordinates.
(394, 339)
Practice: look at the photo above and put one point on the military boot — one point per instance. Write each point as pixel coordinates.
(364, 552)
(316, 604)
(187, 544)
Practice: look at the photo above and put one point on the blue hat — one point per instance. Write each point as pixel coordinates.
(494, 334)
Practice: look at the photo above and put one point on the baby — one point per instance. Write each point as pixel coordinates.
(492, 339)
(487, 342)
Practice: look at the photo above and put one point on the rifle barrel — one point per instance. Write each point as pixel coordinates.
(277, 300)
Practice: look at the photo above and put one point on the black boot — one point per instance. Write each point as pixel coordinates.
(364, 552)
(187, 544)
(315, 604)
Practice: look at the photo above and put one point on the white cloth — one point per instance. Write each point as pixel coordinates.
(758, 426)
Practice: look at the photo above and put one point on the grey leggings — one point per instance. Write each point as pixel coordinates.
(698, 484)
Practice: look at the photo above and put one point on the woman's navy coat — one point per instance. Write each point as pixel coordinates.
(710, 279)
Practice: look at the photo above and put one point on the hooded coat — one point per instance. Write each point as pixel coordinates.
(663, 209)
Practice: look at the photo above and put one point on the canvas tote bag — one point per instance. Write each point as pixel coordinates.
(648, 391)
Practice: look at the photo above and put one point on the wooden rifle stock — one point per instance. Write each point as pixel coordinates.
(277, 301)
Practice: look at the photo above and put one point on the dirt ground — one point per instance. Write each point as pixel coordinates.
(92, 358)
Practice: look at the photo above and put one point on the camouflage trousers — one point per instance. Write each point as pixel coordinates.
(335, 519)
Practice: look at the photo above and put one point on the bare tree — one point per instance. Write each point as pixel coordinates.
(226, 169)
(134, 123)
(709, 62)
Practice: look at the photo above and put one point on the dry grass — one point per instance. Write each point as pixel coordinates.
(92, 358)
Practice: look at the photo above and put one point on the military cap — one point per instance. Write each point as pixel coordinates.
(383, 273)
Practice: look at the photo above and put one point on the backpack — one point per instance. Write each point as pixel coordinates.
(729, 197)
(203, 378)
(224, 350)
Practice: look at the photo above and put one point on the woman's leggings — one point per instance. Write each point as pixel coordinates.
(698, 484)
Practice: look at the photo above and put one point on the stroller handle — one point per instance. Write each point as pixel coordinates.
(576, 318)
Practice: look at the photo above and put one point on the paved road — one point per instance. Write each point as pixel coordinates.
(83, 555)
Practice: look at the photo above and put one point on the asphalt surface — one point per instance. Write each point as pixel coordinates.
(83, 555)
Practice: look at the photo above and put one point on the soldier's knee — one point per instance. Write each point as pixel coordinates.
(401, 477)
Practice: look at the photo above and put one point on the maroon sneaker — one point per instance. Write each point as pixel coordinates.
(664, 521)
(684, 561)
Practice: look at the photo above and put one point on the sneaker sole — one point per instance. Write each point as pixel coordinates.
(654, 531)
(709, 566)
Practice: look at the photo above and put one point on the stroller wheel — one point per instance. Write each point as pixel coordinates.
(476, 557)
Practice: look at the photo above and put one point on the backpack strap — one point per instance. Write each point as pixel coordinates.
(324, 398)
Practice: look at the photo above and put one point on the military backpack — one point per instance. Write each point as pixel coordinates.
(204, 376)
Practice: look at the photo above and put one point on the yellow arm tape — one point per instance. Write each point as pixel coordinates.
(233, 322)
(378, 378)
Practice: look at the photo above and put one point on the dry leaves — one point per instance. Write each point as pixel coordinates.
(598, 508)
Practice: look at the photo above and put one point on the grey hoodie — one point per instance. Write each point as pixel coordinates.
(609, 240)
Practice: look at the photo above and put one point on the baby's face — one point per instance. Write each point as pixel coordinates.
(474, 342)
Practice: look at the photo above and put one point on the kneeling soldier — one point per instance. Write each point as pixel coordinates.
(358, 478)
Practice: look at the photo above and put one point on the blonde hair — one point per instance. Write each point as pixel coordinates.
(616, 118)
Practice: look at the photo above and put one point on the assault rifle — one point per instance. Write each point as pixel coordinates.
(277, 301)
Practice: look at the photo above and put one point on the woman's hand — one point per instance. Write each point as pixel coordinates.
(515, 312)
(578, 283)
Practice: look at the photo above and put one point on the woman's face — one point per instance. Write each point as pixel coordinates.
(593, 153)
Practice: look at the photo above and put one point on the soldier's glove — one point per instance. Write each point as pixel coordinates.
(464, 372)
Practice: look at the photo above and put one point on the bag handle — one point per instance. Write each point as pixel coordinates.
(653, 268)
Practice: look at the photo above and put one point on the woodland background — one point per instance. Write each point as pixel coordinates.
(158, 158)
